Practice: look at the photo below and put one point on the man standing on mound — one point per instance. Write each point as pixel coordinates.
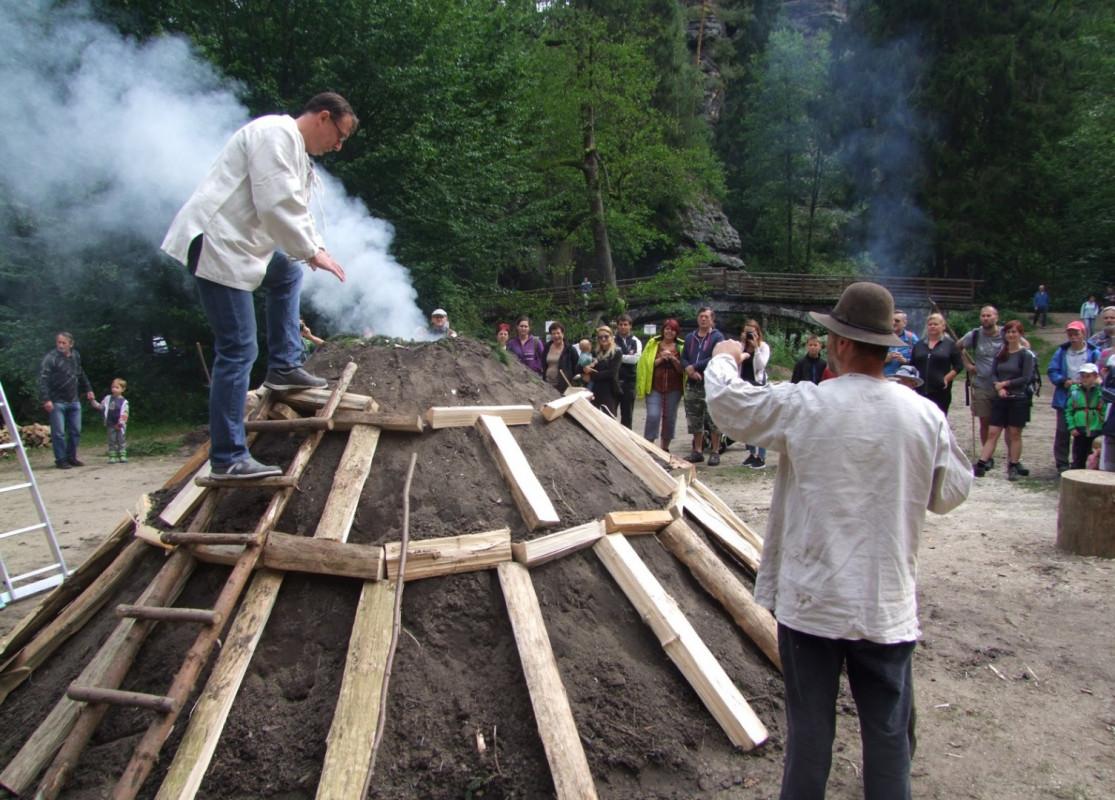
(861, 459)
(254, 202)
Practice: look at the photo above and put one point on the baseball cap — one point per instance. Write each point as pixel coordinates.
(908, 372)
(1088, 367)
(438, 312)
(1076, 325)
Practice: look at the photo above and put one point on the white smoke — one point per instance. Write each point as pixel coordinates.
(104, 136)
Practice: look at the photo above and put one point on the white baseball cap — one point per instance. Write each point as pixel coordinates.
(438, 312)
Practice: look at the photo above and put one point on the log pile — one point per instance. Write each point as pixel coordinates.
(685, 506)
(33, 435)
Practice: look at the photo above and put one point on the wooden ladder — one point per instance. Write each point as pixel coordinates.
(155, 606)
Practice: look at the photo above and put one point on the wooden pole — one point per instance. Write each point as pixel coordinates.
(757, 622)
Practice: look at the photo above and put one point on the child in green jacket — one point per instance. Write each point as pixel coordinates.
(1084, 413)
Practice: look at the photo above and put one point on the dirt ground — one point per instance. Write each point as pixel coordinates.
(1014, 676)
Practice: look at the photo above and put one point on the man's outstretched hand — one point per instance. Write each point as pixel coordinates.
(322, 260)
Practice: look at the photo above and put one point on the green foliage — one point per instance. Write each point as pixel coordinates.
(673, 288)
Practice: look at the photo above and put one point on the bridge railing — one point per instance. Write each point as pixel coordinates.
(793, 288)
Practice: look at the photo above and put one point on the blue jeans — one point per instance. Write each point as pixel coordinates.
(662, 413)
(232, 316)
(881, 678)
(65, 430)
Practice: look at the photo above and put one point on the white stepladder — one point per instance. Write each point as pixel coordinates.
(28, 583)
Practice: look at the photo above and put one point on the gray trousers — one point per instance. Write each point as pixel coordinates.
(117, 443)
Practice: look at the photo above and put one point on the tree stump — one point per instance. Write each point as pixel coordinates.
(1086, 515)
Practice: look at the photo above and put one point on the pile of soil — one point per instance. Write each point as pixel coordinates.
(457, 670)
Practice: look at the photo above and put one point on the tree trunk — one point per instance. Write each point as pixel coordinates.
(602, 248)
(789, 212)
(814, 194)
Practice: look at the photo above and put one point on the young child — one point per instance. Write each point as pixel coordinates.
(811, 366)
(1094, 456)
(1084, 413)
(115, 409)
(585, 359)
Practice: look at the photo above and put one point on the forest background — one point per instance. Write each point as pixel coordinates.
(514, 145)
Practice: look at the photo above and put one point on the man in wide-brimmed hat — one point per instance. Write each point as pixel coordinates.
(861, 459)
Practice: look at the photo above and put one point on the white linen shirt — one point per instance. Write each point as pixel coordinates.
(860, 461)
(255, 199)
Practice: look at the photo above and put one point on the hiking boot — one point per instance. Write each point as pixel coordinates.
(758, 463)
(62, 465)
(1021, 470)
(1012, 472)
(285, 380)
(75, 462)
(695, 457)
(714, 459)
(980, 469)
(247, 469)
(991, 462)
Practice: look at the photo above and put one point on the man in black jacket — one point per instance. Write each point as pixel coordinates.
(61, 379)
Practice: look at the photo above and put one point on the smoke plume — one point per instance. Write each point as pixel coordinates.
(105, 137)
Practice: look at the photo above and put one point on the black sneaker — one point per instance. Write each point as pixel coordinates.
(714, 460)
(285, 380)
(695, 457)
(62, 465)
(1012, 472)
(758, 463)
(991, 463)
(1021, 470)
(749, 461)
(248, 469)
(980, 468)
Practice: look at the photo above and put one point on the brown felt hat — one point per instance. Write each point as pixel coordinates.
(864, 313)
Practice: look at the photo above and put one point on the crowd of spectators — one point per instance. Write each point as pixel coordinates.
(666, 372)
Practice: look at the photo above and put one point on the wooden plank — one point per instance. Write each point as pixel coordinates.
(552, 712)
(754, 620)
(741, 549)
(630, 455)
(637, 521)
(682, 644)
(323, 556)
(195, 751)
(283, 411)
(313, 399)
(555, 408)
(346, 770)
(533, 502)
(348, 484)
(537, 551)
(466, 416)
(430, 558)
(714, 501)
(187, 499)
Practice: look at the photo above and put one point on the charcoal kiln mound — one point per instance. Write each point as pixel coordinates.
(461, 718)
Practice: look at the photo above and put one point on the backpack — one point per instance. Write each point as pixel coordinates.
(1034, 389)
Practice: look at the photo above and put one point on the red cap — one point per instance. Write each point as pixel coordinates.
(1076, 325)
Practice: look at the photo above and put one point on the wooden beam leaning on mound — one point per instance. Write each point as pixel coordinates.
(533, 502)
(681, 643)
(552, 714)
(636, 459)
(754, 620)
